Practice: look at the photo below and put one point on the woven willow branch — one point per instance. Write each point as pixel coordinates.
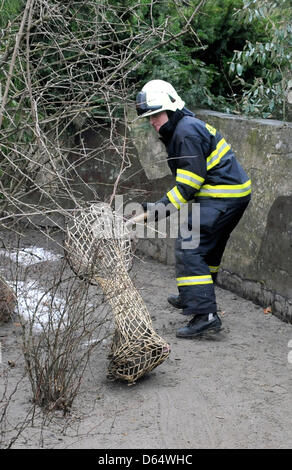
(98, 249)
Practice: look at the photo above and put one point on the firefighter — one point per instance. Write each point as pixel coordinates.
(207, 172)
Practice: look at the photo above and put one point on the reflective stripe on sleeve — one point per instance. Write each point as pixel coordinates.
(176, 198)
(214, 269)
(211, 129)
(215, 157)
(189, 178)
(194, 280)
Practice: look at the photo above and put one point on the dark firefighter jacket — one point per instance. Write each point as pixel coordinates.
(202, 163)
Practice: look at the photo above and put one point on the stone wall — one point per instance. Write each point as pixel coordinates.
(257, 263)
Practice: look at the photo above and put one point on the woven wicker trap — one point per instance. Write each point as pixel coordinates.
(98, 249)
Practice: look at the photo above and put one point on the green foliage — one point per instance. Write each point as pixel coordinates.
(8, 10)
(240, 61)
(262, 68)
(198, 64)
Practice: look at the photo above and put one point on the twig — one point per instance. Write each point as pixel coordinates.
(13, 59)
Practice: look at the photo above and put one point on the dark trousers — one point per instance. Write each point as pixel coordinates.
(197, 267)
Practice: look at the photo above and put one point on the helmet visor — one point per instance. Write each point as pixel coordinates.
(142, 106)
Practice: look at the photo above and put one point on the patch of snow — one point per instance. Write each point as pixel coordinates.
(37, 306)
(31, 255)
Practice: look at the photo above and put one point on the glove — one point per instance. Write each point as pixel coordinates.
(144, 205)
(154, 211)
(149, 207)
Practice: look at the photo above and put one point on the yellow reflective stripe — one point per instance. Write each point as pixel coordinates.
(211, 129)
(201, 194)
(176, 198)
(172, 200)
(226, 190)
(191, 174)
(194, 280)
(215, 157)
(214, 269)
(228, 186)
(189, 178)
(189, 183)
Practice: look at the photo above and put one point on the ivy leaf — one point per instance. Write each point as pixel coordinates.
(239, 69)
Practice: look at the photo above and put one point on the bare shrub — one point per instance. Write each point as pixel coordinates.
(60, 331)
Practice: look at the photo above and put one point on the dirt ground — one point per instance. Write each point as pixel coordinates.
(232, 390)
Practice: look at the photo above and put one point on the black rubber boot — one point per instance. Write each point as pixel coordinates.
(175, 301)
(199, 325)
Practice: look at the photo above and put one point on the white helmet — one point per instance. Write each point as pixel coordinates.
(157, 96)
